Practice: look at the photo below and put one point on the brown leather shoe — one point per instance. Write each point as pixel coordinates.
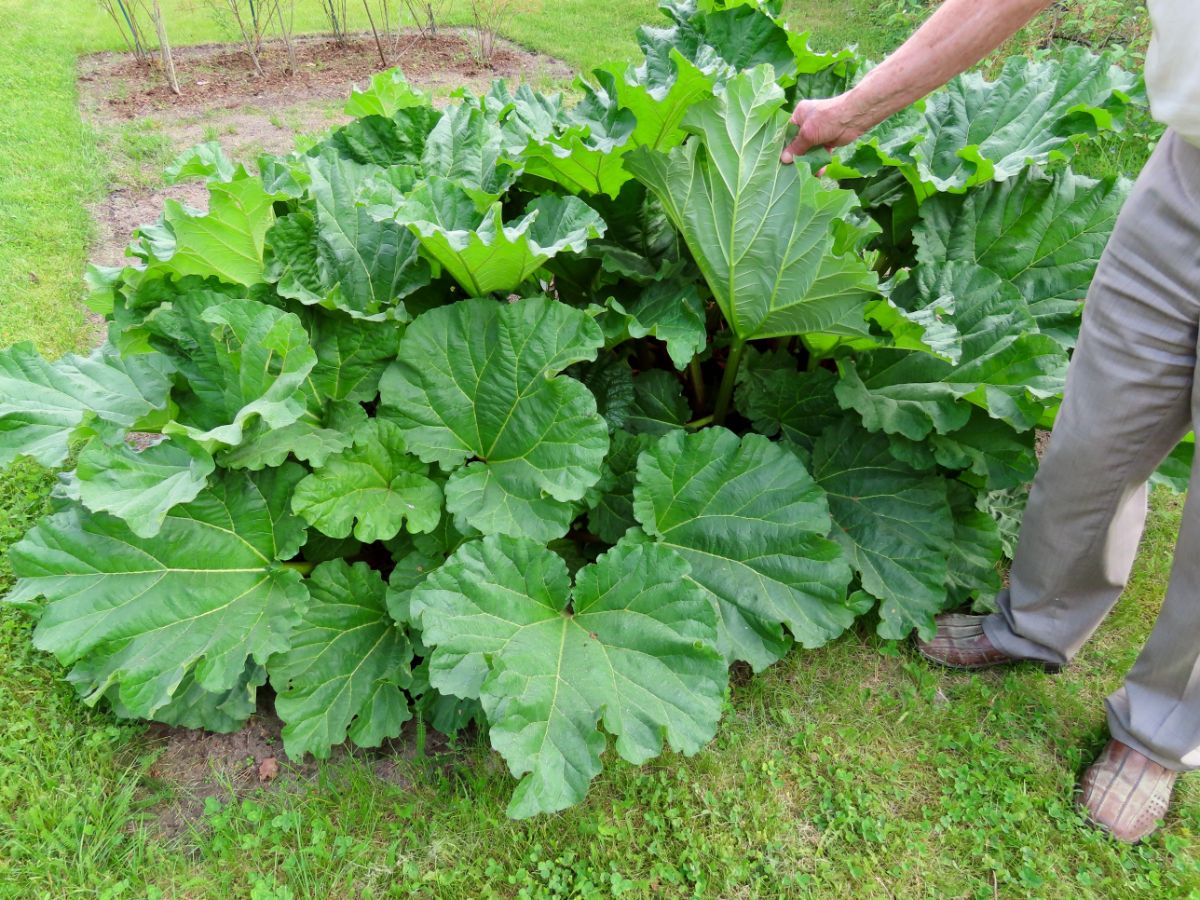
(960, 643)
(1125, 793)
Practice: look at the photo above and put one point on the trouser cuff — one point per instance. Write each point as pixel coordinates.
(1000, 632)
(1118, 717)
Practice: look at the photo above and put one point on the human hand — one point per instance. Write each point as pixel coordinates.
(825, 123)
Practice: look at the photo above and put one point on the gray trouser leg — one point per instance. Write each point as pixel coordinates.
(1129, 398)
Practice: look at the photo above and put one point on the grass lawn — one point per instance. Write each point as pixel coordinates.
(853, 770)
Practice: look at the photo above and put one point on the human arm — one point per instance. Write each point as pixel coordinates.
(958, 35)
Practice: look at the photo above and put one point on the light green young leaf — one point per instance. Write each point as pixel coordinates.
(975, 552)
(630, 648)
(659, 106)
(751, 523)
(347, 666)
(321, 431)
(206, 161)
(763, 235)
(140, 487)
(375, 482)
(893, 522)
(477, 248)
(991, 449)
(238, 361)
(779, 399)
(44, 405)
(202, 595)
(583, 150)
(225, 243)
(610, 500)
(385, 94)
(478, 381)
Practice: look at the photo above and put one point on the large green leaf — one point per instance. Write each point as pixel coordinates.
(630, 648)
(582, 151)
(1043, 234)
(344, 259)
(238, 361)
(977, 130)
(140, 613)
(476, 247)
(893, 522)
(766, 237)
(478, 381)
(352, 354)
(140, 487)
(751, 522)
(44, 405)
(347, 666)
(385, 94)
(374, 482)
(226, 242)
(1006, 367)
(467, 147)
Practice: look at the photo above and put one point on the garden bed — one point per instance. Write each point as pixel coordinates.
(220, 76)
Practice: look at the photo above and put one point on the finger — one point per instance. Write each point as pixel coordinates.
(797, 147)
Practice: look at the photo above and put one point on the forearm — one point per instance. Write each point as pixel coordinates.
(956, 37)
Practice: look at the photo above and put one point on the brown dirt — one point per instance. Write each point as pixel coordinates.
(193, 765)
(220, 76)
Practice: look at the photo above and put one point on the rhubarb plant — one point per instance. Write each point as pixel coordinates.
(536, 417)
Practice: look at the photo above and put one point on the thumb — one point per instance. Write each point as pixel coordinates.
(803, 141)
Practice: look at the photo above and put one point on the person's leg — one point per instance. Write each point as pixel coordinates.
(1157, 710)
(1127, 403)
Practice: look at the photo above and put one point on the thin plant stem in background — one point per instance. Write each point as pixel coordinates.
(286, 27)
(125, 17)
(164, 46)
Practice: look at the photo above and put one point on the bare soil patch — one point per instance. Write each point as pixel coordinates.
(220, 76)
(194, 765)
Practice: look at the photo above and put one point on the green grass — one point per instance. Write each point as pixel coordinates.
(48, 172)
(854, 770)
